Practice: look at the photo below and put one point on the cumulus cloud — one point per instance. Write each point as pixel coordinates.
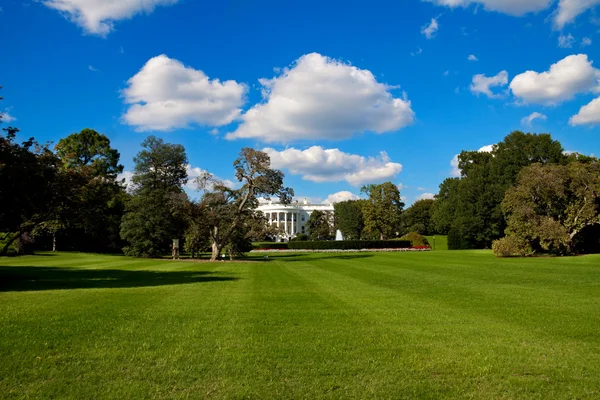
(165, 94)
(97, 17)
(486, 149)
(6, 117)
(568, 10)
(330, 165)
(511, 7)
(572, 75)
(426, 196)
(588, 114)
(566, 41)
(532, 117)
(195, 172)
(430, 29)
(586, 41)
(482, 84)
(322, 98)
(472, 57)
(126, 175)
(340, 196)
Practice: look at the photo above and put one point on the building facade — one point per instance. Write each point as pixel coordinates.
(291, 218)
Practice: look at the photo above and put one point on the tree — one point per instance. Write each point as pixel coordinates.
(93, 216)
(29, 186)
(417, 218)
(444, 209)
(469, 208)
(349, 219)
(153, 215)
(383, 209)
(228, 210)
(89, 150)
(319, 225)
(551, 205)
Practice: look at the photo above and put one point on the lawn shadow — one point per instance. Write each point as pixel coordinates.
(27, 278)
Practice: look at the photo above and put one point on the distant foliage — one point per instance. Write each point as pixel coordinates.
(417, 218)
(416, 239)
(351, 245)
(301, 237)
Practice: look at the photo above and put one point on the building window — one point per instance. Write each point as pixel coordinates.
(303, 218)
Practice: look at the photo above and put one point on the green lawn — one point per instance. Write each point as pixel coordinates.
(382, 326)
(441, 242)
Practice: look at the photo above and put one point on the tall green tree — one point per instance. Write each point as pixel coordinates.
(153, 217)
(551, 205)
(417, 218)
(91, 220)
(471, 205)
(349, 219)
(229, 212)
(319, 225)
(383, 209)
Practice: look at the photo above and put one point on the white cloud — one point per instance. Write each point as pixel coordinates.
(340, 196)
(194, 172)
(511, 7)
(430, 29)
(472, 57)
(6, 117)
(127, 175)
(421, 189)
(426, 196)
(322, 98)
(486, 149)
(586, 41)
(97, 17)
(455, 172)
(481, 84)
(566, 41)
(588, 114)
(165, 94)
(568, 10)
(330, 165)
(91, 68)
(572, 75)
(532, 117)
(416, 53)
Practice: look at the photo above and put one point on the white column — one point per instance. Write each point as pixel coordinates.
(285, 225)
(293, 225)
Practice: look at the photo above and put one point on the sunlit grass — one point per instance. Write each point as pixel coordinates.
(386, 325)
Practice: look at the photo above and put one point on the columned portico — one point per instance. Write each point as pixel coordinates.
(291, 218)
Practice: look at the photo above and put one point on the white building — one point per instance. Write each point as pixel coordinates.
(291, 218)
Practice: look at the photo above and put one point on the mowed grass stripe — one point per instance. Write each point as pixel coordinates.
(458, 327)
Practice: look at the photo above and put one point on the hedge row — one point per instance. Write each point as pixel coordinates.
(270, 246)
(350, 245)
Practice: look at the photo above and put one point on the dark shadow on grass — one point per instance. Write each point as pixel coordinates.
(18, 279)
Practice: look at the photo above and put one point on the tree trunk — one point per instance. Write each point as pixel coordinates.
(216, 251)
(54, 242)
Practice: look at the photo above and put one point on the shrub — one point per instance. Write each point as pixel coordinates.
(415, 239)
(459, 241)
(301, 237)
(351, 245)
(510, 246)
(269, 246)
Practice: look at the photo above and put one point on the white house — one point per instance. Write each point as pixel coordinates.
(291, 218)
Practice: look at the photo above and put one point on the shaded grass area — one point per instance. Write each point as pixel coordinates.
(459, 324)
(441, 242)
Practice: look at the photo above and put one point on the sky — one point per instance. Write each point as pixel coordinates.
(338, 93)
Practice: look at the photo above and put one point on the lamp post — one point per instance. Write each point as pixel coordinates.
(434, 243)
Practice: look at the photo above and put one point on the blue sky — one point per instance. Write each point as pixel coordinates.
(339, 93)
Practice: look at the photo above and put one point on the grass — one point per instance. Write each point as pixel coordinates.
(386, 326)
(441, 242)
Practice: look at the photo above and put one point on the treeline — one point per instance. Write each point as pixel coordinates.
(69, 197)
(481, 206)
(527, 191)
